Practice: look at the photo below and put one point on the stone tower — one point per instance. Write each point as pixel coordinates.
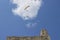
(43, 36)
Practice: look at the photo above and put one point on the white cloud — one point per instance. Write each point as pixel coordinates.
(31, 25)
(28, 25)
(26, 9)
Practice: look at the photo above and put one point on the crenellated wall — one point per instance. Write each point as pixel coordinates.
(43, 36)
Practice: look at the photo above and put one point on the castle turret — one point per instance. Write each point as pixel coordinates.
(44, 35)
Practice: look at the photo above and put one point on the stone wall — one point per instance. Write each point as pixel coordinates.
(23, 38)
(43, 36)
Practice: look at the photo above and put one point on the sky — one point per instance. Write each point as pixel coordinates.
(48, 17)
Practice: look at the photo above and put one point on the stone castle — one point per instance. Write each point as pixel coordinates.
(43, 36)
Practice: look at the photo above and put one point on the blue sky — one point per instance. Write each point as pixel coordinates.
(48, 15)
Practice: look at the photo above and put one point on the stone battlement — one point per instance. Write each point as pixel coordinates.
(43, 36)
